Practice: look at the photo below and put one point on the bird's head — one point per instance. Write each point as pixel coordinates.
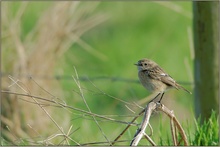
(145, 64)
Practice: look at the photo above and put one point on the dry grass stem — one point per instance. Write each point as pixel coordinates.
(82, 95)
(36, 52)
(175, 8)
(71, 107)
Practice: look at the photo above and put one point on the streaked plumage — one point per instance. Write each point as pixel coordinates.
(154, 78)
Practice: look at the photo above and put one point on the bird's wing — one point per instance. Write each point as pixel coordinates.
(158, 73)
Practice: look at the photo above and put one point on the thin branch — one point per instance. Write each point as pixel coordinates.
(72, 108)
(119, 136)
(141, 131)
(152, 106)
(70, 133)
(97, 143)
(173, 132)
(82, 95)
(149, 139)
(176, 122)
(118, 99)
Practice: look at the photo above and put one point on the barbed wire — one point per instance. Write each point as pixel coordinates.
(81, 78)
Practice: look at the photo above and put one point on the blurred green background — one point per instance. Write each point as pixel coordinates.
(135, 30)
(160, 31)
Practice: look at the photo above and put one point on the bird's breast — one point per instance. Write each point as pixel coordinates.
(150, 84)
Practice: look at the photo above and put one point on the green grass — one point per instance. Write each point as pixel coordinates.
(207, 132)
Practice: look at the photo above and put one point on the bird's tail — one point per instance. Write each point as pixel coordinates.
(180, 87)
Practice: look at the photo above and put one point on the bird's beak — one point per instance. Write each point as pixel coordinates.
(137, 64)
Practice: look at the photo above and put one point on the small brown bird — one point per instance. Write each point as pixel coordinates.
(155, 79)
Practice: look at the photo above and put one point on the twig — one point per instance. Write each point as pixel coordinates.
(152, 106)
(173, 131)
(149, 139)
(27, 91)
(70, 133)
(82, 95)
(141, 131)
(109, 94)
(176, 122)
(70, 107)
(97, 143)
(116, 139)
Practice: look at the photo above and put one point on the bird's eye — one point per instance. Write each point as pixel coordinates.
(145, 64)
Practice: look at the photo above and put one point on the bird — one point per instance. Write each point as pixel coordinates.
(155, 79)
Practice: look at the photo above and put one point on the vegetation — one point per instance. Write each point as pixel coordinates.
(207, 132)
(99, 42)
